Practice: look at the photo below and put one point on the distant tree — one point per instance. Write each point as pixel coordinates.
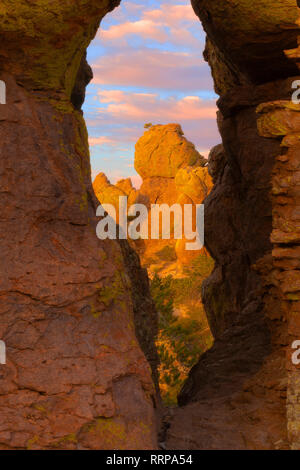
(148, 125)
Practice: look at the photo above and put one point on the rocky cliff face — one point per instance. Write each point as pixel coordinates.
(244, 392)
(75, 376)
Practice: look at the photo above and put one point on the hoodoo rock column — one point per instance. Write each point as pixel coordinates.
(75, 375)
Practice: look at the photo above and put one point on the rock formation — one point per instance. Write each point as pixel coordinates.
(108, 193)
(168, 151)
(76, 376)
(183, 332)
(159, 154)
(244, 393)
(126, 186)
(162, 150)
(194, 182)
(193, 185)
(171, 168)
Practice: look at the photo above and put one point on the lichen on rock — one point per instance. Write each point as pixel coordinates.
(67, 312)
(162, 150)
(243, 392)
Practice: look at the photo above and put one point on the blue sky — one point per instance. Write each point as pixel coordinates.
(148, 67)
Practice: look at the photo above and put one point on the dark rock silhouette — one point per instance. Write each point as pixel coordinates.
(84, 76)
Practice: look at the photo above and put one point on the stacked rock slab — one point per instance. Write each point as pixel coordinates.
(244, 393)
(282, 119)
(75, 377)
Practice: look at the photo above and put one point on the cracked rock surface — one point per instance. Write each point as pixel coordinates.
(76, 376)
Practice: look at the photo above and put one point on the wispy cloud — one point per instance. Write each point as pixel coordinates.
(144, 107)
(168, 23)
(99, 141)
(153, 69)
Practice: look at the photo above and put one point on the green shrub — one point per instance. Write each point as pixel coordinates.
(167, 253)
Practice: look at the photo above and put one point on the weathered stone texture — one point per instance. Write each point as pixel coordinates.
(76, 377)
(244, 393)
(162, 150)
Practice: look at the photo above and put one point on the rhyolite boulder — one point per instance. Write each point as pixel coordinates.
(162, 150)
(195, 183)
(126, 186)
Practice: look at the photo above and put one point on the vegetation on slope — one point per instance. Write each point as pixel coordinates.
(184, 333)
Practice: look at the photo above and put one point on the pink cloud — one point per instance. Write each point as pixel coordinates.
(153, 69)
(173, 15)
(109, 96)
(145, 107)
(118, 96)
(99, 141)
(145, 28)
(167, 23)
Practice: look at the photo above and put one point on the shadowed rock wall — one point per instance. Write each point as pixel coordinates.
(244, 392)
(75, 376)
